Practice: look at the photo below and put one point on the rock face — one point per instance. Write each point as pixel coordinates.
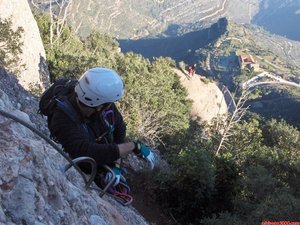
(33, 188)
(33, 55)
(208, 100)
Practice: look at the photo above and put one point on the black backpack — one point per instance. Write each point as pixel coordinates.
(49, 99)
(56, 97)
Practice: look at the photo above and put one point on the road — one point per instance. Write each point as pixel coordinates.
(254, 81)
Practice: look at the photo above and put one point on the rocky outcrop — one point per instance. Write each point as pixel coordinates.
(208, 100)
(33, 188)
(34, 75)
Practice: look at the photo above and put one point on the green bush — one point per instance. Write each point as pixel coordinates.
(69, 56)
(155, 104)
(260, 173)
(197, 185)
(226, 182)
(182, 66)
(280, 206)
(10, 47)
(188, 189)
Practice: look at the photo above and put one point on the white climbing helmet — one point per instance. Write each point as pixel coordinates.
(98, 86)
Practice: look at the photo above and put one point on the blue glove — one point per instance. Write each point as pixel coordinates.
(145, 152)
(109, 176)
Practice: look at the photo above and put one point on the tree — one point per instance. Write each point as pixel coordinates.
(66, 57)
(10, 46)
(155, 104)
(224, 130)
(58, 14)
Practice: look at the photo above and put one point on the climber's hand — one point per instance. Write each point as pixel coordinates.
(144, 152)
(109, 176)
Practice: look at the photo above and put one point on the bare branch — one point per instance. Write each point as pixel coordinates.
(60, 20)
(78, 27)
(51, 23)
(34, 4)
(233, 119)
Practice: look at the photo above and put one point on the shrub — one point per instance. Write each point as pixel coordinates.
(224, 218)
(10, 47)
(280, 206)
(187, 190)
(181, 66)
(226, 182)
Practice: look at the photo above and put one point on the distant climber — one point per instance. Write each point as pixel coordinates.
(86, 122)
(192, 70)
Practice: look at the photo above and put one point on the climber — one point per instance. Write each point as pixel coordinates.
(86, 122)
(192, 70)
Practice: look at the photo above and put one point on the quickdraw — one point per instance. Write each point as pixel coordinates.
(121, 194)
(110, 125)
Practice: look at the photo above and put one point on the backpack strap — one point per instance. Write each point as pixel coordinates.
(65, 106)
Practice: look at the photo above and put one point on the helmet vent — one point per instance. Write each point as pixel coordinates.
(88, 99)
(87, 80)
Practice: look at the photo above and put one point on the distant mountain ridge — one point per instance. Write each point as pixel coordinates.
(176, 47)
(195, 46)
(182, 29)
(139, 19)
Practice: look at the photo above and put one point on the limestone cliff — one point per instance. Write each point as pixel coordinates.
(33, 55)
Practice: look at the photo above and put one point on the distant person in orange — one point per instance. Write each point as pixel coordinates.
(192, 70)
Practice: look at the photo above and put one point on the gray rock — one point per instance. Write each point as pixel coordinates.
(33, 53)
(96, 220)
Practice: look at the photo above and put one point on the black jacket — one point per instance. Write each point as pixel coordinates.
(80, 139)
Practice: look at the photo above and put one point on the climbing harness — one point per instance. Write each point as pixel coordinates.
(120, 191)
(74, 162)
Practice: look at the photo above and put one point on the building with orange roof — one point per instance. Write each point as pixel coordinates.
(247, 61)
